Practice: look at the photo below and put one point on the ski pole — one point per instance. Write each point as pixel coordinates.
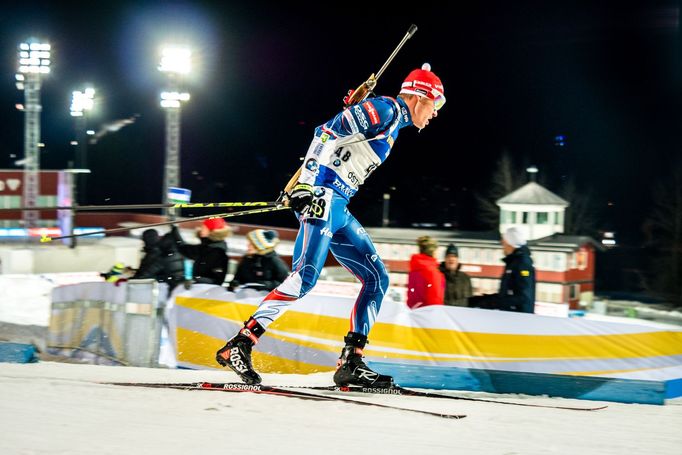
(47, 239)
(188, 205)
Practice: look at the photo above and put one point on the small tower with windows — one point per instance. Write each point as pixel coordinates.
(533, 209)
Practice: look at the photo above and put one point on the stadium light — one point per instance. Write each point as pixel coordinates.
(175, 59)
(175, 63)
(82, 101)
(33, 64)
(34, 58)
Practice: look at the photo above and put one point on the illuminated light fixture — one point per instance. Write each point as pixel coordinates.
(82, 101)
(34, 58)
(175, 60)
(173, 99)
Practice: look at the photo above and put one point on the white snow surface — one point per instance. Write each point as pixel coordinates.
(56, 408)
(59, 408)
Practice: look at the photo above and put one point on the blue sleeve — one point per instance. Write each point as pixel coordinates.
(369, 117)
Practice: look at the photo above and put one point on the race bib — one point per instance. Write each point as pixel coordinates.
(321, 205)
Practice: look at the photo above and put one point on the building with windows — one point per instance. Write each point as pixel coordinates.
(535, 210)
(11, 196)
(565, 264)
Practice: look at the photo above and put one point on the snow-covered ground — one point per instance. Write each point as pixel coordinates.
(54, 408)
(58, 408)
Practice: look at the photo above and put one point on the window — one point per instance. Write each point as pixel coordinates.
(573, 291)
(559, 262)
(10, 202)
(582, 259)
(542, 218)
(489, 256)
(525, 217)
(47, 201)
(540, 260)
(549, 292)
(508, 217)
(573, 262)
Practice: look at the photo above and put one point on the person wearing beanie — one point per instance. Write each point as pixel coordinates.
(261, 267)
(517, 284)
(344, 152)
(425, 283)
(457, 283)
(210, 255)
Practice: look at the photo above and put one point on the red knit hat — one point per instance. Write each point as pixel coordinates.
(215, 223)
(423, 82)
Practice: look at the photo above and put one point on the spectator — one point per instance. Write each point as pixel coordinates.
(261, 267)
(457, 283)
(425, 283)
(150, 266)
(173, 262)
(517, 285)
(162, 260)
(210, 256)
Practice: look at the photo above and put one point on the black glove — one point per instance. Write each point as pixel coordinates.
(301, 197)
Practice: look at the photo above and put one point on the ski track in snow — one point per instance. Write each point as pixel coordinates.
(56, 408)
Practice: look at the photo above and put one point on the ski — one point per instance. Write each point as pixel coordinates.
(397, 390)
(277, 391)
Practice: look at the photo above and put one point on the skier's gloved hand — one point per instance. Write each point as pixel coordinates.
(301, 197)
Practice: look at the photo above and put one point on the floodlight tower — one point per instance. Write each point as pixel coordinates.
(175, 62)
(81, 104)
(34, 63)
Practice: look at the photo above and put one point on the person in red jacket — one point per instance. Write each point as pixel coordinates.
(425, 283)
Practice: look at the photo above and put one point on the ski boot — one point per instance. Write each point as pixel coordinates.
(236, 354)
(351, 370)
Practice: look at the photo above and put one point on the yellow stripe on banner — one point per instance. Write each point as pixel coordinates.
(442, 341)
(218, 308)
(293, 322)
(199, 349)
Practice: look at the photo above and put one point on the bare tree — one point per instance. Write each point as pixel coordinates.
(581, 214)
(664, 236)
(506, 177)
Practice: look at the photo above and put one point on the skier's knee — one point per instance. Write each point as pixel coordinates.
(377, 278)
(297, 285)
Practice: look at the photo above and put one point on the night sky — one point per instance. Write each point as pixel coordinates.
(516, 74)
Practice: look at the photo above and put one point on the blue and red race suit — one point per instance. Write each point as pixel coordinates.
(342, 155)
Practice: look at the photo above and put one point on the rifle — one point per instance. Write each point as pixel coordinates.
(354, 97)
